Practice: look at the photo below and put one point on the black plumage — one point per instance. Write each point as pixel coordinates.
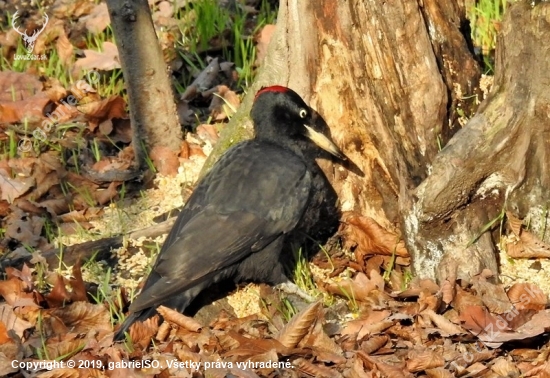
(235, 223)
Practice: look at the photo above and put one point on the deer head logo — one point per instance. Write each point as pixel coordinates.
(29, 39)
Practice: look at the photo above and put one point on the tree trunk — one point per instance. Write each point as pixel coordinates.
(390, 79)
(499, 161)
(151, 101)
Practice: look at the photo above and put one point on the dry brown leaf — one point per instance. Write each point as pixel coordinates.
(108, 194)
(82, 317)
(165, 160)
(541, 371)
(299, 326)
(269, 356)
(184, 354)
(357, 369)
(107, 164)
(527, 296)
(514, 223)
(372, 323)
(476, 369)
(16, 86)
(248, 347)
(4, 337)
(426, 300)
(374, 343)
(448, 291)
(16, 292)
(224, 103)
(59, 295)
(528, 245)
(464, 300)
(77, 284)
(416, 286)
(179, 319)
(164, 13)
(369, 238)
(423, 359)
(115, 356)
(4, 208)
(106, 60)
(537, 324)
(314, 370)
(98, 19)
(359, 287)
(64, 48)
(196, 150)
(61, 373)
(10, 321)
(6, 368)
(207, 133)
(64, 348)
(479, 321)
(13, 188)
(50, 33)
(396, 370)
(55, 90)
(142, 332)
(112, 107)
(74, 228)
(439, 373)
(227, 342)
(503, 367)
(82, 215)
(30, 110)
(218, 373)
(446, 327)
(326, 348)
(493, 296)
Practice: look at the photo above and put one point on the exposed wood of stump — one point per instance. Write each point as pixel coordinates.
(388, 78)
(499, 160)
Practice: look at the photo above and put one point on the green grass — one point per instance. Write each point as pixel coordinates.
(286, 309)
(488, 226)
(208, 27)
(303, 277)
(485, 17)
(353, 306)
(108, 295)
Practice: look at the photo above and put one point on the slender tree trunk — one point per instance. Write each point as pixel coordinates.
(151, 101)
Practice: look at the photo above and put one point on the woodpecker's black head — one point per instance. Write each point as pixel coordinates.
(280, 113)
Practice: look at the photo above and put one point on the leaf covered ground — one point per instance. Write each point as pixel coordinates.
(64, 201)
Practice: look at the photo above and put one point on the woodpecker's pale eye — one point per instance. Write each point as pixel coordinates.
(303, 113)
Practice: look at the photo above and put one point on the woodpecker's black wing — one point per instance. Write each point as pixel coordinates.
(256, 192)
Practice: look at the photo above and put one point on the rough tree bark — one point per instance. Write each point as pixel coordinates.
(390, 78)
(152, 109)
(498, 161)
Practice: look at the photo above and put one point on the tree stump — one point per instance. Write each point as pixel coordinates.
(390, 79)
(499, 160)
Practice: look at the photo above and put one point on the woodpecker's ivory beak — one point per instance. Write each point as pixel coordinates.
(324, 142)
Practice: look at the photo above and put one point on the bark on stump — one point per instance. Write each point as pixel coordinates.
(389, 79)
(499, 160)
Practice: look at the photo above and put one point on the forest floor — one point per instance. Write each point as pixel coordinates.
(76, 240)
